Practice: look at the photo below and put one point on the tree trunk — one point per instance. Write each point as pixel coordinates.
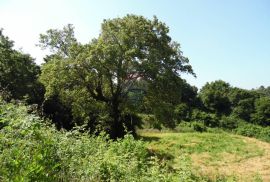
(117, 127)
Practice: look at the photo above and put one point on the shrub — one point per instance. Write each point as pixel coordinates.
(229, 122)
(199, 126)
(182, 112)
(262, 111)
(252, 130)
(184, 127)
(210, 120)
(150, 121)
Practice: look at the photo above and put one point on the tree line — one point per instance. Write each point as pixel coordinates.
(128, 74)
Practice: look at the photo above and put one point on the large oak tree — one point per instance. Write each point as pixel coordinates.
(95, 78)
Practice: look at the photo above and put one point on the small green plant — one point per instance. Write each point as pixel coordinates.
(257, 178)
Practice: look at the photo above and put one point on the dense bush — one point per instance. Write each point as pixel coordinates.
(199, 126)
(252, 130)
(150, 121)
(210, 120)
(262, 111)
(184, 127)
(229, 122)
(33, 150)
(215, 98)
(182, 112)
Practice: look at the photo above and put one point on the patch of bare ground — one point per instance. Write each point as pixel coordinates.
(232, 165)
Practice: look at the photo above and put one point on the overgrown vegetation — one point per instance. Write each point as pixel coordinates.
(255, 131)
(33, 150)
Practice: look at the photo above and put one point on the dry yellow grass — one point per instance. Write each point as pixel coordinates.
(215, 154)
(233, 165)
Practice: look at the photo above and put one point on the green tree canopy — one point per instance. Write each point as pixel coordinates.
(57, 41)
(18, 73)
(95, 78)
(242, 102)
(262, 111)
(215, 98)
(263, 90)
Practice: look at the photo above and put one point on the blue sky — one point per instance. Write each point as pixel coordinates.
(228, 40)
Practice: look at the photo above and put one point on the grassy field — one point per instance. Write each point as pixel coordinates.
(214, 155)
(33, 150)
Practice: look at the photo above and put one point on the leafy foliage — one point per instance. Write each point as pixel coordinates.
(102, 72)
(234, 104)
(242, 102)
(262, 111)
(199, 126)
(265, 91)
(18, 73)
(209, 119)
(252, 130)
(59, 42)
(215, 97)
(31, 150)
